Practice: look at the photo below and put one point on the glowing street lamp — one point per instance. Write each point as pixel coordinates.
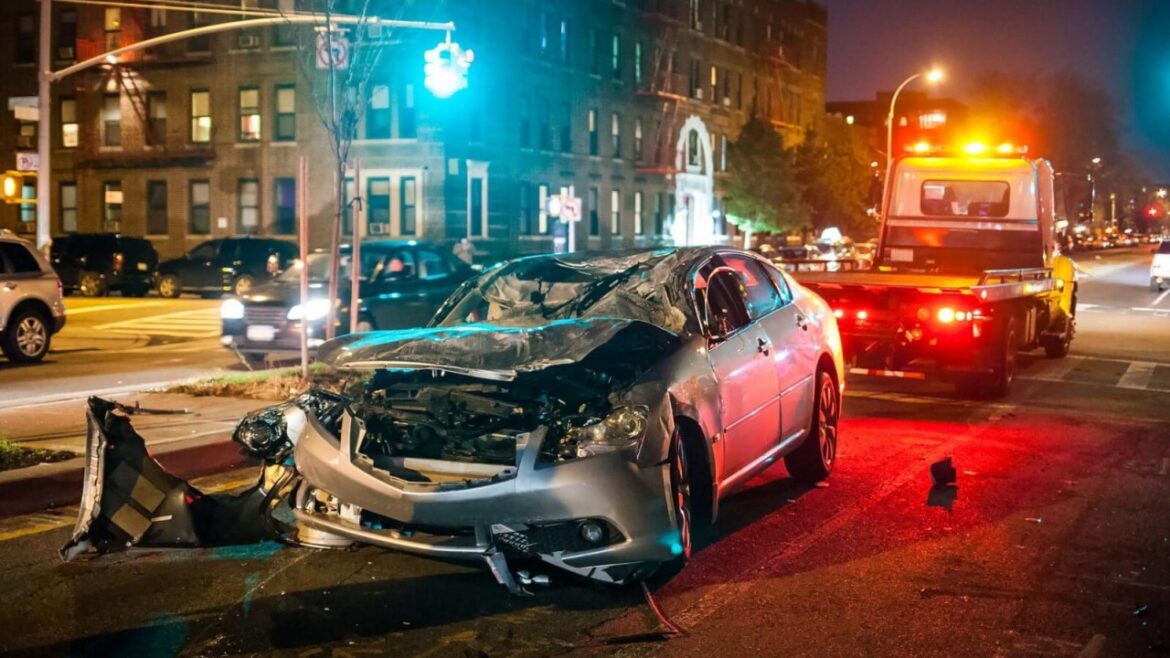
(933, 76)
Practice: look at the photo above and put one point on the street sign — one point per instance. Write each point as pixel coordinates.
(571, 209)
(28, 161)
(332, 47)
(24, 108)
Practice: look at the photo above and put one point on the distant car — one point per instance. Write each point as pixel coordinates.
(225, 265)
(403, 283)
(1160, 268)
(96, 264)
(31, 304)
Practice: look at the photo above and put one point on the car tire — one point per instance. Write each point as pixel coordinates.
(1057, 347)
(681, 499)
(813, 459)
(243, 285)
(998, 383)
(92, 284)
(27, 337)
(169, 286)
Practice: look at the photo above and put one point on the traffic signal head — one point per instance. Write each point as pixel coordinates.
(10, 187)
(446, 69)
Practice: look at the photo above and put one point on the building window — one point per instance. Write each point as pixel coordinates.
(200, 44)
(544, 28)
(546, 132)
(407, 206)
(286, 33)
(715, 84)
(156, 207)
(658, 213)
(594, 53)
(27, 137)
(695, 90)
(615, 133)
(615, 212)
(638, 139)
(69, 207)
(113, 26)
(28, 190)
(112, 120)
(67, 35)
(378, 205)
(564, 41)
(567, 129)
(112, 205)
(478, 218)
(284, 206)
(542, 208)
(201, 116)
(199, 208)
(68, 123)
(285, 121)
(156, 114)
(378, 117)
(616, 57)
(249, 110)
(696, 21)
(407, 125)
(592, 132)
(723, 153)
(639, 229)
(158, 19)
(248, 206)
(594, 212)
(26, 39)
(638, 63)
(525, 122)
(525, 206)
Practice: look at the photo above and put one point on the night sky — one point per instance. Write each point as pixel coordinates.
(1123, 45)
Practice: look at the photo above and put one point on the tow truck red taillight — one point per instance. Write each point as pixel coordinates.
(838, 313)
(862, 315)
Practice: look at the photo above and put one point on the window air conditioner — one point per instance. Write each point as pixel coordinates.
(248, 41)
(377, 228)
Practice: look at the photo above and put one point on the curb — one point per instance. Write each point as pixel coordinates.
(59, 488)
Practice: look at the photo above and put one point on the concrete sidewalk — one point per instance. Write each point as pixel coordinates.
(191, 444)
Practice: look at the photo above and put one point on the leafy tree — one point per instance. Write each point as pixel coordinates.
(835, 177)
(761, 190)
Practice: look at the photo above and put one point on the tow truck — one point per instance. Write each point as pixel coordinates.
(968, 273)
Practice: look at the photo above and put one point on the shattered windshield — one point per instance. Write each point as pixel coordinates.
(535, 291)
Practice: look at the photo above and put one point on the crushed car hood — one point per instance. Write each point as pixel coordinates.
(486, 350)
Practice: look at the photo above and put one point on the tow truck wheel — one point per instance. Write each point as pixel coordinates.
(1057, 347)
(997, 383)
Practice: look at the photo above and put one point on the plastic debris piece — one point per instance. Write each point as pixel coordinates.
(943, 472)
(1034, 519)
(1141, 610)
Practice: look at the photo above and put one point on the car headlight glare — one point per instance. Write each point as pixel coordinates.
(315, 309)
(232, 309)
(621, 429)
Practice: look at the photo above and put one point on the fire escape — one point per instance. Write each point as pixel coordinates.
(665, 86)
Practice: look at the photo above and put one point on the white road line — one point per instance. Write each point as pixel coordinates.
(1137, 375)
(1147, 309)
(108, 307)
(1161, 297)
(200, 323)
(1053, 369)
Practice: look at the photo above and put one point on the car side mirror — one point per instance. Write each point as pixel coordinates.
(713, 332)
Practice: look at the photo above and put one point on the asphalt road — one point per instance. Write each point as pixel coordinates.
(1056, 542)
(114, 343)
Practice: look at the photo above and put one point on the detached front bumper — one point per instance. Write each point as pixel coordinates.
(530, 511)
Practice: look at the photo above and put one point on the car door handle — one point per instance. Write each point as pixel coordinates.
(802, 322)
(763, 346)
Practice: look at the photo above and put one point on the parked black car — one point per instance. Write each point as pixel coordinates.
(95, 264)
(225, 265)
(403, 283)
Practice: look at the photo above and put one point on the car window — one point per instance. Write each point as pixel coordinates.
(722, 298)
(398, 265)
(19, 260)
(432, 264)
(781, 282)
(207, 250)
(759, 292)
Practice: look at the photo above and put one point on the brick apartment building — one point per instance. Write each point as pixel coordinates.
(631, 104)
(918, 118)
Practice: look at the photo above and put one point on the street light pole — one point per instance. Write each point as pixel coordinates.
(933, 75)
(44, 125)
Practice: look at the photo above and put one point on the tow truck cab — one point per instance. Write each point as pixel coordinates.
(968, 272)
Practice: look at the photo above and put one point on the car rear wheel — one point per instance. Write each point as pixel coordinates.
(243, 285)
(813, 459)
(92, 285)
(27, 338)
(169, 286)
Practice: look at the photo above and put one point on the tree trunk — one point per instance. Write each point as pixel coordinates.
(747, 239)
(335, 250)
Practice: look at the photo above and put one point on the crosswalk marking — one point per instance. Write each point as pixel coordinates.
(1138, 375)
(201, 323)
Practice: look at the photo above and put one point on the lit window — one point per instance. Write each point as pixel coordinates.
(248, 206)
(68, 123)
(201, 117)
(639, 229)
(615, 212)
(286, 113)
(112, 205)
(249, 114)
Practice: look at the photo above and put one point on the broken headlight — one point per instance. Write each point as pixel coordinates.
(621, 429)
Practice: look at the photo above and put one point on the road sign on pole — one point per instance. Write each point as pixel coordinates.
(571, 209)
(332, 47)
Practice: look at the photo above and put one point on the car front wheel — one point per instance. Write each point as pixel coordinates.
(680, 488)
(169, 286)
(27, 338)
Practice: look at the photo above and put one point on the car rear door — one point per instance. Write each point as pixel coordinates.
(396, 299)
(201, 269)
(743, 369)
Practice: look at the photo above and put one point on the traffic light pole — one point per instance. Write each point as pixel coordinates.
(44, 125)
(46, 76)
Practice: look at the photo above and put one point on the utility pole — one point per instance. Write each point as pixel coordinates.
(44, 125)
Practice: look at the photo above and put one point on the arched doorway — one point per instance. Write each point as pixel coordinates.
(694, 186)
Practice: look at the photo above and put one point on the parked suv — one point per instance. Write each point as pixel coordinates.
(225, 265)
(1160, 268)
(31, 306)
(96, 264)
(403, 283)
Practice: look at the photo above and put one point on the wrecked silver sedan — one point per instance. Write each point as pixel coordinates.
(579, 411)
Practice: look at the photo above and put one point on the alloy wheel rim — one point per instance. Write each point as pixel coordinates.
(166, 287)
(682, 500)
(827, 421)
(243, 286)
(30, 336)
(89, 285)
